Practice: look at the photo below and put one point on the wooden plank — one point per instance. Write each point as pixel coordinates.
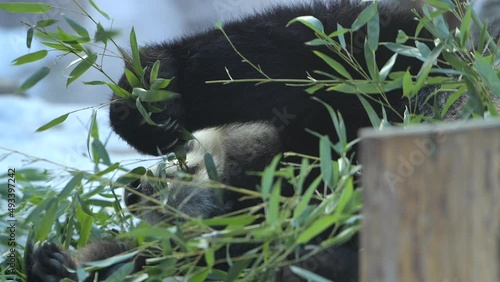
(431, 203)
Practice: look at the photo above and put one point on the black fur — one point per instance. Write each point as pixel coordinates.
(266, 41)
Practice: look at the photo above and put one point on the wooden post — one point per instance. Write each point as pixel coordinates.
(431, 203)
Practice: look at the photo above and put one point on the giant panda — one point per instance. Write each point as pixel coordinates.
(242, 125)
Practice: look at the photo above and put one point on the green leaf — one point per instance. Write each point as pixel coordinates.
(29, 37)
(136, 58)
(373, 28)
(372, 115)
(53, 123)
(325, 154)
(306, 197)
(99, 150)
(24, 7)
(345, 197)
(402, 37)
(236, 269)
(341, 31)
(309, 21)
(111, 168)
(404, 50)
(366, 15)
(47, 220)
(308, 275)
(131, 176)
(143, 112)
(239, 220)
(452, 99)
(95, 82)
(45, 23)
(338, 122)
(56, 46)
(386, 69)
(34, 216)
(94, 265)
(371, 63)
(154, 72)
(80, 30)
(210, 166)
(407, 84)
(74, 41)
(160, 83)
(314, 88)
(73, 184)
(268, 177)
(132, 79)
(488, 74)
(99, 10)
(93, 134)
(86, 222)
(31, 57)
(120, 92)
(465, 26)
(334, 65)
(201, 275)
(317, 227)
(102, 35)
(152, 95)
(34, 79)
(83, 66)
(273, 209)
(121, 273)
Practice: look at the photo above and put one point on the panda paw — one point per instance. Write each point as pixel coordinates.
(50, 263)
(152, 139)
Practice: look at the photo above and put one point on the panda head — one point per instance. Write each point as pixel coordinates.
(169, 191)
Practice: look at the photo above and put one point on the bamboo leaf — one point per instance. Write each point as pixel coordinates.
(309, 21)
(31, 57)
(29, 37)
(99, 150)
(80, 30)
(317, 227)
(45, 23)
(152, 95)
(34, 79)
(73, 184)
(210, 166)
(334, 65)
(154, 71)
(132, 79)
(99, 10)
(47, 220)
(308, 275)
(81, 68)
(53, 123)
(366, 15)
(24, 7)
(136, 58)
(325, 154)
